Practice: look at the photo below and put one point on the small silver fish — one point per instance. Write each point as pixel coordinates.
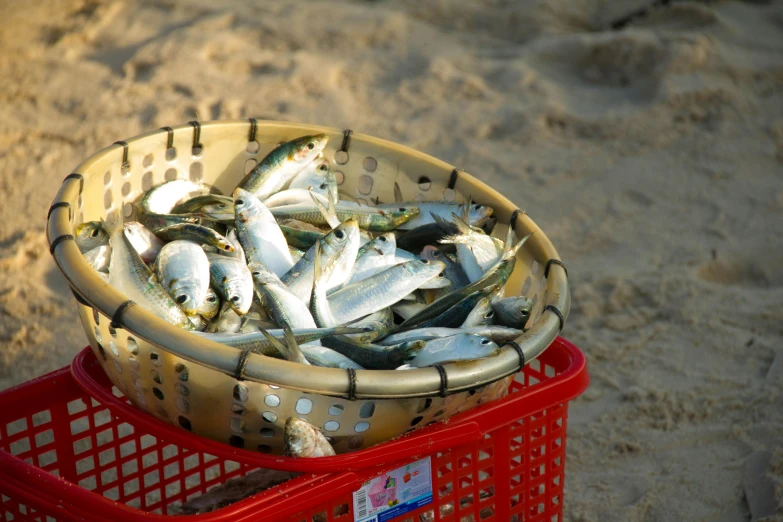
(304, 440)
(444, 209)
(458, 347)
(232, 280)
(382, 290)
(183, 270)
(498, 334)
(327, 358)
(211, 305)
(319, 172)
(283, 306)
(144, 241)
(513, 312)
(90, 235)
(164, 197)
(260, 235)
(280, 166)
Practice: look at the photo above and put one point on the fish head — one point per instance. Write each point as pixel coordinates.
(210, 306)
(477, 345)
(411, 348)
(344, 234)
(239, 295)
(139, 236)
(245, 204)
(425, 267)
(386, 243)
(305, 149)
(514, 310)
(400, 215)
(432, 253)
(187, 295)
(262, 275)
(90, 235)
(479, 213)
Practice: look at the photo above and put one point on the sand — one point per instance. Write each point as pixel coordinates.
(652, 156)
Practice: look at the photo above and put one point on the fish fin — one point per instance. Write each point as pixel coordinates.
(462, 225)
(274, 341)
(329, 213)
(454, 240)
(510, 236)
(294, 353)
(512, 251)
(441, 221)
(397, 193)
(466, 209)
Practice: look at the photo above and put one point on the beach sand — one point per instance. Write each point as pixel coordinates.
(652, 156)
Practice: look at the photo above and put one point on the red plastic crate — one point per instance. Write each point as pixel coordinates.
(72, 455)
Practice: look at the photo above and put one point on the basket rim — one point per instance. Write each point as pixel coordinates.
(92, 291)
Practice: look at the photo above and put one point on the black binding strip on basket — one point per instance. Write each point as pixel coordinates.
(169, 137)
(346, 140)
(74, 175)
(124, 145)
(444, 379)
(116, 319)
(242, 363)
(519, 351)
(59, 204)
(253, 129)
(79, 298)
(453, 178)
(554, 262)
(514, 215)
(558, 313)
(58, 240)
(351, 384)
(196, 134)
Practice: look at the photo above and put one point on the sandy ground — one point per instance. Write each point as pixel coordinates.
(652, 156)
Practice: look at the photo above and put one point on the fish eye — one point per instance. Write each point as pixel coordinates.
(227, 248)
(436, 253)
(323, 186)
(490, 314)
(424, 261)
(311, 145)
(485, 341)
(256, 274)
(402, 209)
(476, 207)
(339, 234)
(240, 202)
(182, 299)
(94, 233)
(235, 299)
(322, 166)
(211, 299)
(441, 275)
(382, 239)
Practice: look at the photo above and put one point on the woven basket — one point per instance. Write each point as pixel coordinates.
(196, 383)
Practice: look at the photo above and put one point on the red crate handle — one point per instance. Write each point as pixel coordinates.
(461, 429)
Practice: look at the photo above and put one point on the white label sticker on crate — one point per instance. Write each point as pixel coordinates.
(394, 493)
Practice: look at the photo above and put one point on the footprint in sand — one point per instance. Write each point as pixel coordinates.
(763, 272)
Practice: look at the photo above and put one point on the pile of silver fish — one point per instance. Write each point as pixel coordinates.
(285, 268)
